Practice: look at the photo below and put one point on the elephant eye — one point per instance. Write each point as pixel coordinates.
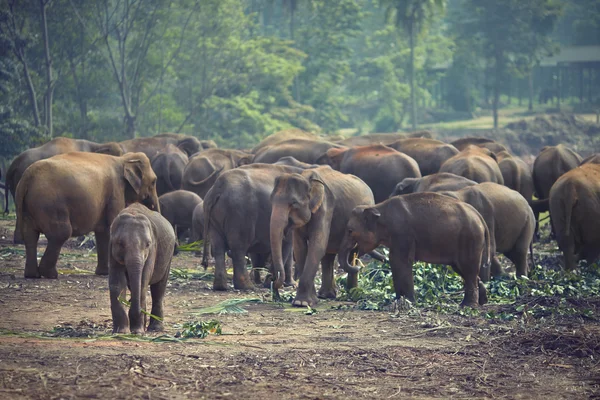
(350, 231)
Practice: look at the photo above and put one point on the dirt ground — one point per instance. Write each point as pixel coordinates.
(272, 351)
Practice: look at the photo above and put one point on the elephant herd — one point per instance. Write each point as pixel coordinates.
(295, 201)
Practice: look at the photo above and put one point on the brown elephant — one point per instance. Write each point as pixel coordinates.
(151, 146)
(204, 168)
(237, 214)
(141, 248)
(549, 165)
(178, 208)
(575, 212)
(432, 183)
(76, 193)
(379, 166)
(168, 165)
(304, 150)
(430, 154)
(59, 145)
(315, 205)
(516, 174)
(489, 144)
(282, 136)
(422, 227)
(476, 163)
(510, 221)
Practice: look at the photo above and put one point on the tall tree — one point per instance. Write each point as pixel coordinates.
(412, 16)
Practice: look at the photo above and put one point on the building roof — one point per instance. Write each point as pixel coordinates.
(573, 55)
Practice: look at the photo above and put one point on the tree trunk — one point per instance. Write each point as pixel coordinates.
(49, 83)
(292, 14)
(31, 90)
(530, 85)
(413, 100)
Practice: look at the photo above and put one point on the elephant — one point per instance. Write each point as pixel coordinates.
(549, 165)
(58, 145)
(292, 162)
(141, 248)
(282, 136)
(489, 144)
(430, 154)
(178, 208)
(75, 193)
(315, 205)
(371, 138)
(204, 168)
(516, 174)
(154, 144)
(168, 165)
(575, 214)
(304, 150)
(510, 221)
(432, 183)
(204, 144)
(425, 227)
(593, 159)
(198, 222)
(379, 166)
(237, 214)
(476, 163)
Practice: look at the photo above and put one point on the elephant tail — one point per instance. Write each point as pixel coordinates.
(171, 167)
(209, 202)
(486, 255)
(206, 182)
(568, 202)
(539, 206)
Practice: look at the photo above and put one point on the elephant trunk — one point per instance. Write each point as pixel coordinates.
(346, 249)
(279, 221)
(135, 265)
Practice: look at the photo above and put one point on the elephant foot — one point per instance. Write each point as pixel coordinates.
(289, 283)
(256, 276)
(120, 329)
(50, 273)
(220, 284)
(471, 299)
(101, 270)
(34, 274)
(242, 282)
(482, 294)
(138, 331)
(328, 293)
(155, 326)
(305, 300)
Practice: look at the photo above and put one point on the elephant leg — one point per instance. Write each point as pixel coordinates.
(157, 292)
(241, 279)
(495, 269)
(31, 237)
(570, 258)
(102, 247)
(288, 255)
(258, 263)
(402, 274)
(138, 322)
(482, 293)
(471, 282)
(17, 234)
(327, 290)
(519, 257)
(218, 252)
(306, 295)
(300, 251)
(117, 283)
(59, 234)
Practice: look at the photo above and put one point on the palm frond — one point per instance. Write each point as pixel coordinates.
(230, 306)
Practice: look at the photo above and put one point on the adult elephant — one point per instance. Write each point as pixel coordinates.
(178, 208)
(204, 168)
(282, 136)
(510, 221)
(486, 143)
(432, 183)
(151, 146)
(204, 143)
(516, 174)
(304, 150)
(476, 163)
(379, 166)
(549, 165)
(237, 215)
(168, 165)
(575, 212)
(430, 154)
(59, 145)
(316, 206)
(76, 193)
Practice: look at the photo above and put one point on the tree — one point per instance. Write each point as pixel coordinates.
(412, 16)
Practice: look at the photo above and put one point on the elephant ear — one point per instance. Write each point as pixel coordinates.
(317, 191)
(371, 216)
(133, 173)
(189, 145)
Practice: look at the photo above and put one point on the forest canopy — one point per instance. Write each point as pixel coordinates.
(238, 70)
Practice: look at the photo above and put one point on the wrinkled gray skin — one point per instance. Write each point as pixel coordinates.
(237, 214)
(379, 166)
(204, 168)
(510, 221)
(315, 206)
(404, 225)
(178, 208)
(516, 174)
(168, 165)
(141, 247)
(304, 150)
(489, 144)
(432, 183)
(430, 154)
(476, 163)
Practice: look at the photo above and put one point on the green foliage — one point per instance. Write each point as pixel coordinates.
(199, 329)
(229, 306)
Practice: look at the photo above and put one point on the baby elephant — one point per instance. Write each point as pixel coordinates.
(422, 227)
(141, 246)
